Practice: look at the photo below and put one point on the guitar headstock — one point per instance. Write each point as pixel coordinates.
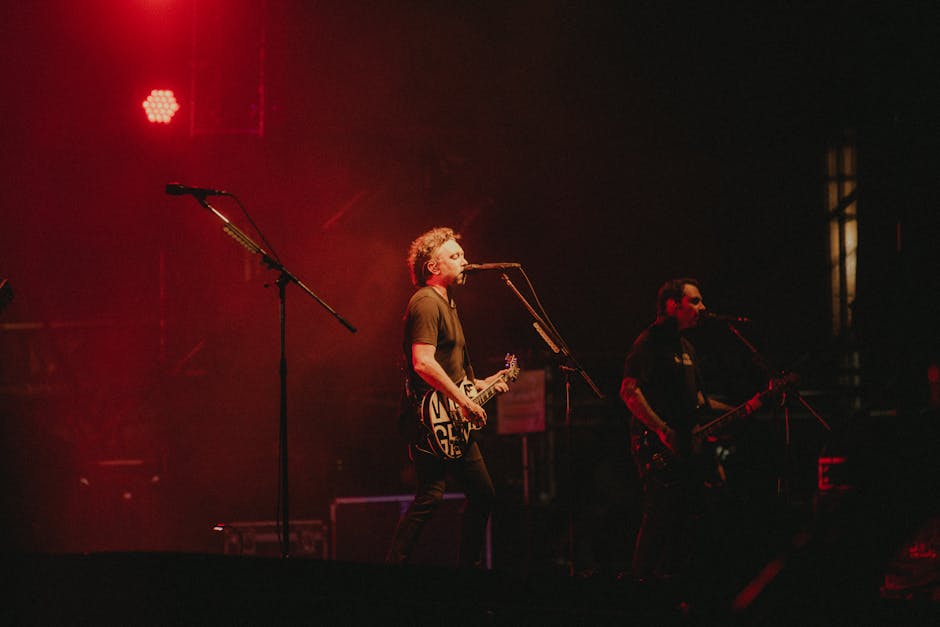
(512, 366)
(781, 384)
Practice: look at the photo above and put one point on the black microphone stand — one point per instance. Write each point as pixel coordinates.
(284, 277)
(783, 479)
(558, 346)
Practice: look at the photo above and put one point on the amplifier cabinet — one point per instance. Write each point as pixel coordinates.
(308, 538)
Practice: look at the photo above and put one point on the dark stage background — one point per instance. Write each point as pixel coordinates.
(605, 146)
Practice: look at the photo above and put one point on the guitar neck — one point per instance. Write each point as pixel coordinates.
(719, 422)
(777, 386)
(484, 395)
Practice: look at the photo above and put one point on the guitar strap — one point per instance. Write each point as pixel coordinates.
(467, 366)
(699, 383)
(699, 380)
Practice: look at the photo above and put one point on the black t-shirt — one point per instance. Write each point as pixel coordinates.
(429, 319)
(663, 363)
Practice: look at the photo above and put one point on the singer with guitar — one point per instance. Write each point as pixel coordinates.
(438, 374)
(663, 390)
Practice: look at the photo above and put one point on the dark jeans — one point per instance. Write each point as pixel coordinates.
(668, 529)
(431, 472)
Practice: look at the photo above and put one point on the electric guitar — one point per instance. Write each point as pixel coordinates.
(448, 429)
(668, 466)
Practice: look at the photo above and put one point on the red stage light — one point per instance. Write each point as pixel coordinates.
(933, 374)
(160, 106)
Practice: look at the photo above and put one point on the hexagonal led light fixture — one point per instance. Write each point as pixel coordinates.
(160, 106)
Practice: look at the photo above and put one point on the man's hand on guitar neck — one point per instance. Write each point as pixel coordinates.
(501, 385)
(774, 388)
(472, 410)
(753, 404)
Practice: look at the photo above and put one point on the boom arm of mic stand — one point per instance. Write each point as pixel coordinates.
(551, 338)
(755, 355)
(239, 236)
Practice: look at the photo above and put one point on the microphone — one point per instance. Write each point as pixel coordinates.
(480, 267)
(708, 315)
(176, 189)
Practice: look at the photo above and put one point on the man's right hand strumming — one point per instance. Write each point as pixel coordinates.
(474, 413)
(634, 399)
(669, 438)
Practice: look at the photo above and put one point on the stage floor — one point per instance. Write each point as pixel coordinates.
(191, 589)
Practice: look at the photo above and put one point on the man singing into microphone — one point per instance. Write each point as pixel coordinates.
(436, 359)
(662, 388)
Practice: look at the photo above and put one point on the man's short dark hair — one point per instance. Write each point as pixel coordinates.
(672, 290)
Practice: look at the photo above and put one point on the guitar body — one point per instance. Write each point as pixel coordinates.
(448, 431)
(694, 462)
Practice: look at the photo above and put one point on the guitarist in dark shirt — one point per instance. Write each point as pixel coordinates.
(662, 388)
(436, 359)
